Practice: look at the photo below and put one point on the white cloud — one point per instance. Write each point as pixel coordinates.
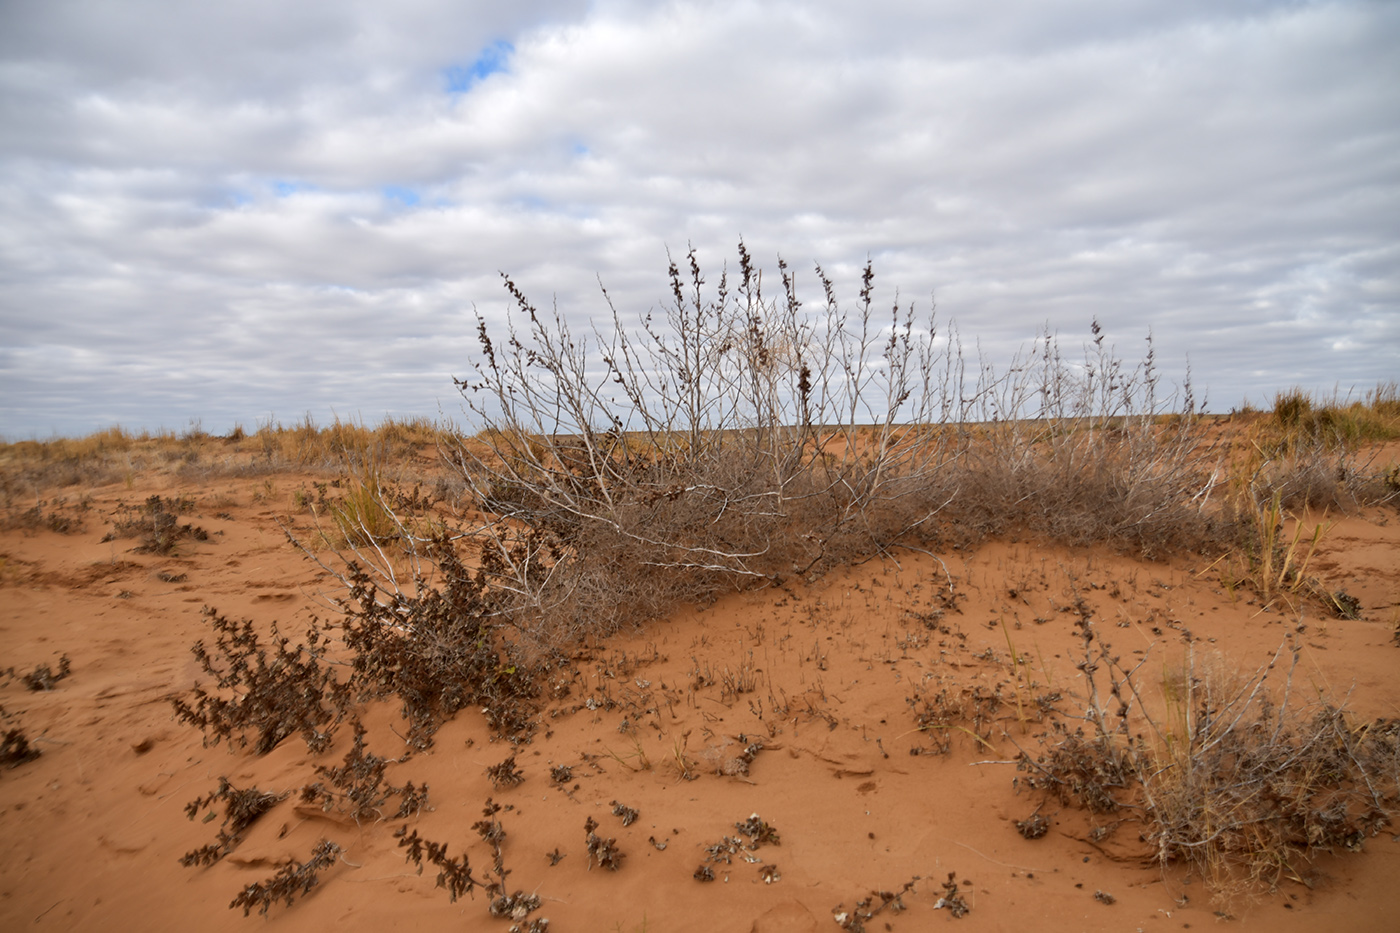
(215, 211)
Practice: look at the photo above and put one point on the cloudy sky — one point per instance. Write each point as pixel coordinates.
(230, 211)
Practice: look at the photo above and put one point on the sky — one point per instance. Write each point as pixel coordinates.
(228, 213)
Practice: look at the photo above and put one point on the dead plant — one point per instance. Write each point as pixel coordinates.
(290, 882)
(436, 648)
(156, 524)
(1244, 787)
(357, 787)
(242, 808)
(263, 699)
(15, 749)
(877, 902)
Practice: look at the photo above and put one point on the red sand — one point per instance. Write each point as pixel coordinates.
(95, 827)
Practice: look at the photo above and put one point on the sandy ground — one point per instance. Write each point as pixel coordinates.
(794, 703)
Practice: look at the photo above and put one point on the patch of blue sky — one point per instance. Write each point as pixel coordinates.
(285, 189)
(533, 202)
(492, 59)
(537, 204)
(579, 149)
(405, 196)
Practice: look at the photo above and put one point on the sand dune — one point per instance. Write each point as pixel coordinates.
(812, 705)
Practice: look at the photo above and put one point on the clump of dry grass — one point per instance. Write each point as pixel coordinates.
(1313, 452)
(1232, 775)
(155, 524)
(28, 467)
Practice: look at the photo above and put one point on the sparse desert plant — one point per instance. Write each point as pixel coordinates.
(1242, 787)
(505, 774)
(35, 518)
(740, 438)
(436, 649)
(156, 524)
(42, 677)
(853, 920)
(242, 808)
(603, 851)
(290, 881)
(455, 873)
(15, 749)
(259, 699)
(357, 787)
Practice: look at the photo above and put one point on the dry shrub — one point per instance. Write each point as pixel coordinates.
(357, 787)
(867, 908)
(156, 524)
(1089, 452)
(242, 808)
(36, 518)
(455, 874)
(264, 698)
(1243, 785)
(1311, 452)
(724, 445)
(290, 882)
(42, 677)
(742, 440)
(438, 650)
(15, 749)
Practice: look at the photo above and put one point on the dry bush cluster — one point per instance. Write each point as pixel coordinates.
(242, 808)
(435, 652)
(56, 515)
(260, 696)
(156, 524)
(28, 467)
(1310, 453)
(1233, 775)
(738, 438)
(290, 881)
(356, 788)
